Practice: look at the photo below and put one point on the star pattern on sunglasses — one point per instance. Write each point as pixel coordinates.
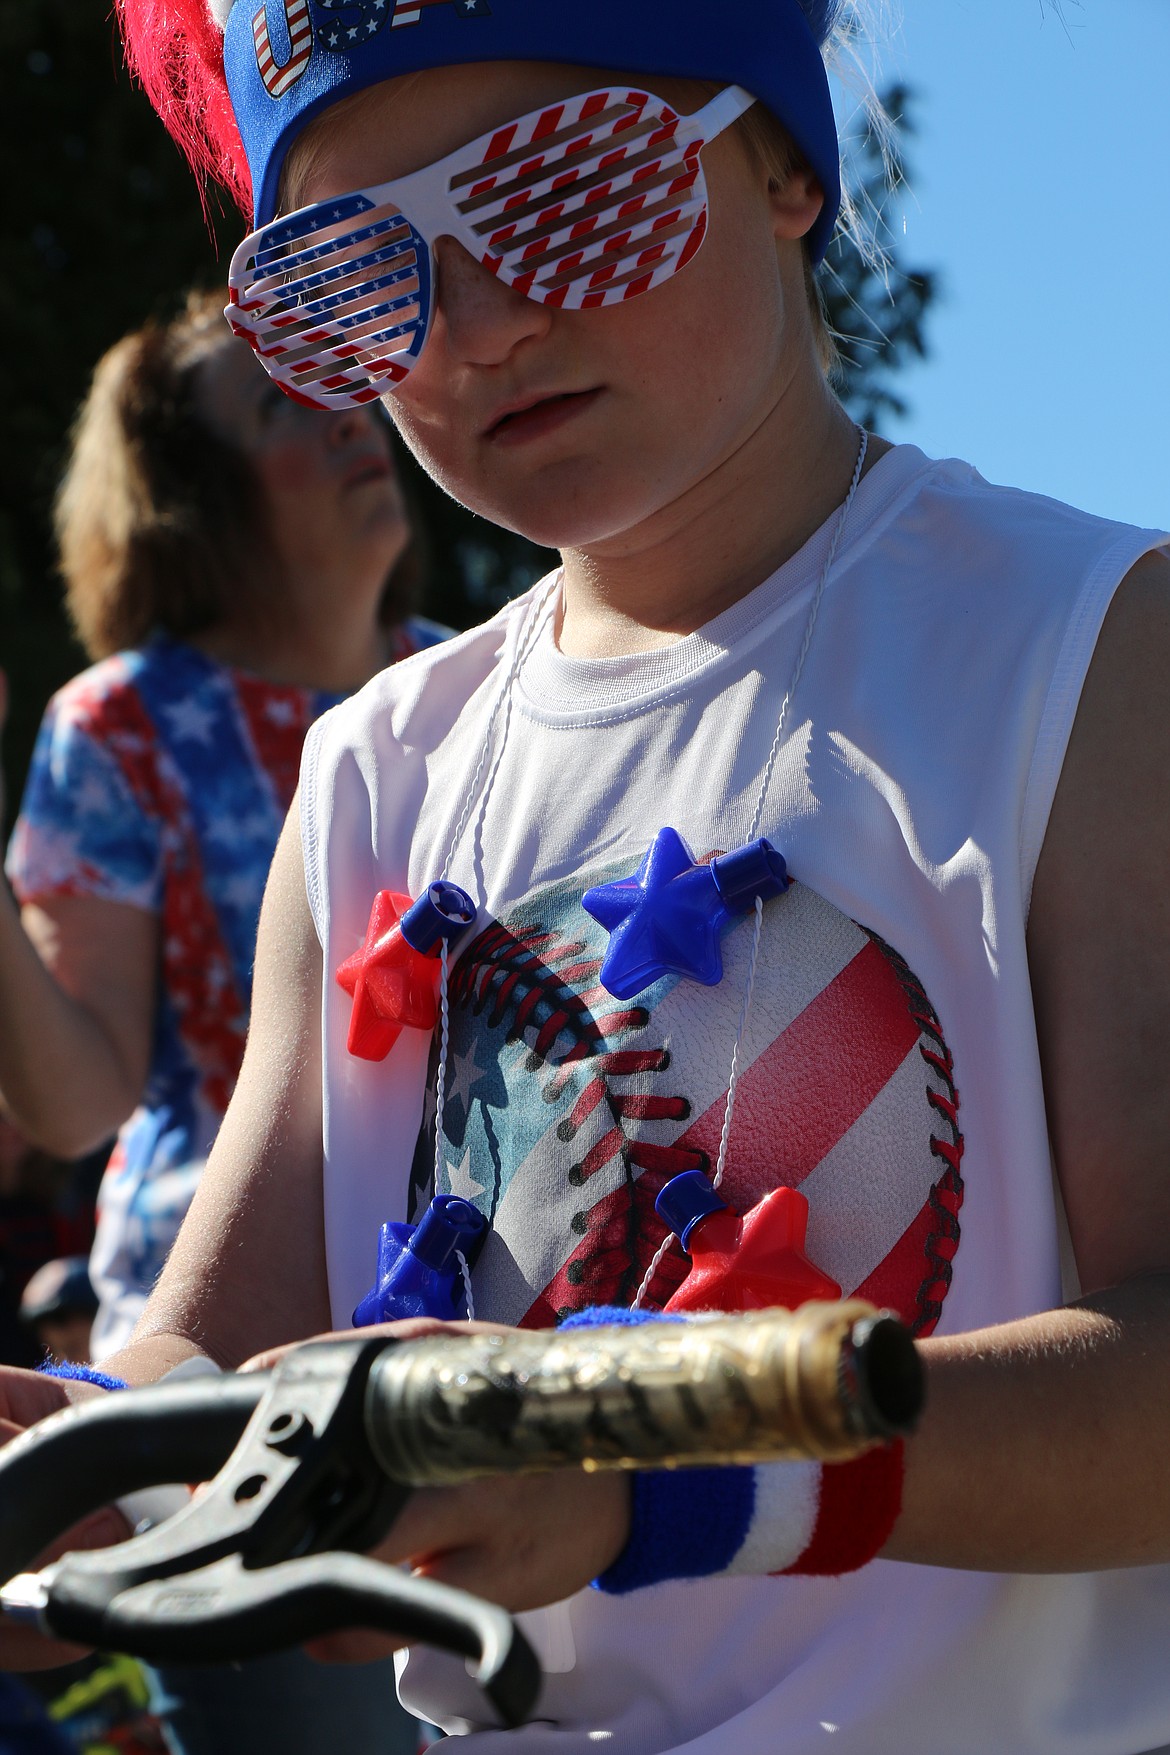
(582, 204)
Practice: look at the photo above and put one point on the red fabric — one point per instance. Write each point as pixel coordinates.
(823, 1071)
(175, 52)
(197, 973)
(860, 1504)
(278, 719)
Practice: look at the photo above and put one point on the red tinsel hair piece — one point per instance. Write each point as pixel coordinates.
(175, 51)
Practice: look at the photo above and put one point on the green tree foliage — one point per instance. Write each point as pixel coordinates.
(101, 226)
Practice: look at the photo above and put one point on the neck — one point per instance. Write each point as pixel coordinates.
(321, 638)
(728, 533)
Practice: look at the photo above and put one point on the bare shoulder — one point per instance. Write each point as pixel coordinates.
(1099, 943)
(1125, 684)
(285, 921)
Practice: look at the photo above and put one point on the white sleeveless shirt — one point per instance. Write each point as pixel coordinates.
(890, 1067)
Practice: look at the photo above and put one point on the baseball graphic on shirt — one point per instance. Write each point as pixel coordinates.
(567, 1109)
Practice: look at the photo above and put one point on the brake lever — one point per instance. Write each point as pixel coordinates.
(88, 1455)
(302, 1481)
(224, 1612)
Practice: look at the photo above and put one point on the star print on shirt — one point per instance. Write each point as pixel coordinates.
(191, 720)
(461, 1182)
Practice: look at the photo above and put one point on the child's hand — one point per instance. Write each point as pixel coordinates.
(411, 1328)
(25, 1398)
(519, 1540)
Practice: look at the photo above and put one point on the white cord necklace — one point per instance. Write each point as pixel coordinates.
(757, 815)
(714, 894)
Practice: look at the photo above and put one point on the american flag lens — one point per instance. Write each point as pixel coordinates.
(583, 204)
(335, 299)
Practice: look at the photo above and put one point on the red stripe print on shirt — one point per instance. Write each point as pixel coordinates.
(196, 972)
(276, 720)
(817, 1081)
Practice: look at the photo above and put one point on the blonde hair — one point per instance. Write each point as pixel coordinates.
(156, 516)
(159, 521)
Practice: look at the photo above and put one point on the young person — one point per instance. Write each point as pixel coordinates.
(945, 704)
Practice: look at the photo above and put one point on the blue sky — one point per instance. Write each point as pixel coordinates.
(1041, 193)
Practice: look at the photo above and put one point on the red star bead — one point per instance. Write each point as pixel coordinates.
(393, 985)
(757, 1262)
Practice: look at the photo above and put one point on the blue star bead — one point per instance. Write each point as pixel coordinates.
(667, 919)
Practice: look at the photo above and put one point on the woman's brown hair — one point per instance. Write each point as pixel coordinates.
(158, 519)
(156, 516)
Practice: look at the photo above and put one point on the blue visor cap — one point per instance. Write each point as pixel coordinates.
(287, 60)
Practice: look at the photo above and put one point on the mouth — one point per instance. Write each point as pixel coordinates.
(368, 469)
(536, 416)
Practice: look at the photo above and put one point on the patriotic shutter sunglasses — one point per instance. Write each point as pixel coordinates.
(582, 204)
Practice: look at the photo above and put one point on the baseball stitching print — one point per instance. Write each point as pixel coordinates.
(573, 1108)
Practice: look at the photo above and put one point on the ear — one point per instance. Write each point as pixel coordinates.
(795, 203)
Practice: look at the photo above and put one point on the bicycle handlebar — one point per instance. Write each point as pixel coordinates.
(85, 1457)
(826, 1382)
(331, 1442)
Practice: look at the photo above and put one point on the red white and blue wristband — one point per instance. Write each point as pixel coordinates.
(794, 1517)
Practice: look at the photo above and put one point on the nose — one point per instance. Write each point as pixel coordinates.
(481, 318)
(347, 425)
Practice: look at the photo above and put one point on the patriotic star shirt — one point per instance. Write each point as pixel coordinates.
(161, 779)
(890, 1070)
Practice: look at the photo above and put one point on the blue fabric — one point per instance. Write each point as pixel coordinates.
(161, 780)
(84, 1374)
(615, 1316)
(319, 51)
(684, 1523)
(24, 1727)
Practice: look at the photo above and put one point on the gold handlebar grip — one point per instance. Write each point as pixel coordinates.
(827, 1381)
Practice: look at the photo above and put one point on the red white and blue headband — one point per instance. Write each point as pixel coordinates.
(288, 60)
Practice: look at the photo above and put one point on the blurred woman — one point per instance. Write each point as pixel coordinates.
(235, 564)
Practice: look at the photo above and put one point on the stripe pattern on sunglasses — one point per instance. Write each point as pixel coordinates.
(586, 203)
(333, 298)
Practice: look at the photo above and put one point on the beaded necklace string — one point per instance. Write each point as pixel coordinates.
(479, 791)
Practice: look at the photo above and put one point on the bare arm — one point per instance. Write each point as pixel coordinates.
(1049, 1434)
(248, 1268)
(77, 986)
(77, 996)
(1052, 1433)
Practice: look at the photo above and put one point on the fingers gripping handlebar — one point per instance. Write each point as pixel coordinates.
(331, 1443)
(266, 1556)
